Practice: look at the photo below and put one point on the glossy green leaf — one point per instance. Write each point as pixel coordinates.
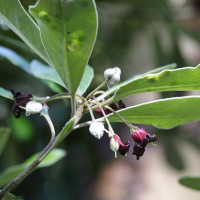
(86, 80)
(165, 113)
(4, 135)
(5, 93)
(11, 172)
(17, 19)
(10, 196)
(192, 182)
(45, 72)
(134, 78)
(179, 79)
(68, 30)
(15, 59)
(54, 156)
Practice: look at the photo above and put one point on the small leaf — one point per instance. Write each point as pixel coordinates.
(86, 80)
(51, 158)
(165, 113)
(192, 182)
(5, 93)
(45, 72)
(11, 172)
(68, 31)
(15, 59)
(17, 19)
(4, 135)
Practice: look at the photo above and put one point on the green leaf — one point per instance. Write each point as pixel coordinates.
(10, 196)
(86, 80)
(15, 59)
(11, 172)
(5, 93)
(182, 79)
(165, 113)
(136, 77)
(53, 157)
(192, 182)
(68, 31)
(45, 72)
(17, 19)
(4, 135)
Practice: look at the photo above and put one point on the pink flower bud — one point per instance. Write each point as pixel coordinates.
(139, 134)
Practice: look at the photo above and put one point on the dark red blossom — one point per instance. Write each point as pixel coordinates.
(115, 106)
(20, 100)
(123, 148)
(142, 138)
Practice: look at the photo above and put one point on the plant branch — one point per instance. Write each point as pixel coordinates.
(51, 145)
(34, 164)
(99, 87)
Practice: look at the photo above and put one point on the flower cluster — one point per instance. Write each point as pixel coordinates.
(141, 138)
(139, 135)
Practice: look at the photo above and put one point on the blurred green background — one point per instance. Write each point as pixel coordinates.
(136, 36)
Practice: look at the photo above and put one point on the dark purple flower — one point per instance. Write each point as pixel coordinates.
(115, 106)
(124, 148)
(141, 138)
(20, 100)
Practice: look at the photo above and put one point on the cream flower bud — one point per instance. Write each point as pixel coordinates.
(112, 75)
(114, 144)
(97, 129)
(33, 107)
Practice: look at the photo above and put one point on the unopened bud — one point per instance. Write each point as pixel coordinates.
(114, 144)
(97, 129)
(112, 75)
(138, 134)
(33, 107)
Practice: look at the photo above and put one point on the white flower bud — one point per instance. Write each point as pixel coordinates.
(112, 75)
(97, 129)
(114, 144)
(33, 107)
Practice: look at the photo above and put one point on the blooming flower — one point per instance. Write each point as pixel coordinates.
(97, 129)
(142, 138)
(20, 100)
(115, 106)
(112, 75)
(117, 145)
